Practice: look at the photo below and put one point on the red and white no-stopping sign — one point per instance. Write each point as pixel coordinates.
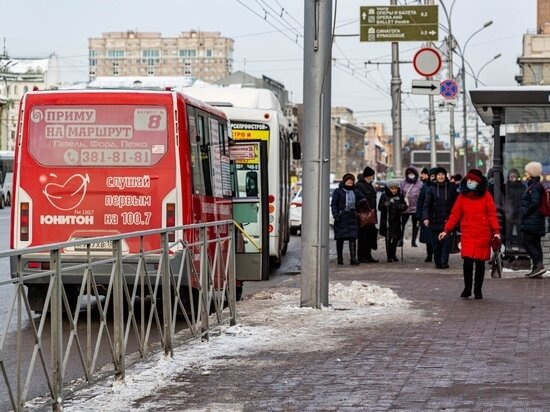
(427, 62)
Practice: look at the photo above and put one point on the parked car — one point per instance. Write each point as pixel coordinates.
(6, 189)
(296, 210)
(296, 213)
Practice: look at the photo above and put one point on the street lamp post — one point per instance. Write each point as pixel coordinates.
(476, 79)
(464, 96)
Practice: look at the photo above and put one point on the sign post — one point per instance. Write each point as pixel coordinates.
(398, 23)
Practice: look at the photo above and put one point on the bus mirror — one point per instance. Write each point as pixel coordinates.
(251, 184)
(296, 151)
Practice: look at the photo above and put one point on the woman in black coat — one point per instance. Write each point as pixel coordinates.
(392, 205)
(532, 225)
(367, 237)
(343, 206)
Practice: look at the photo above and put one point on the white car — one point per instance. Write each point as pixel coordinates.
(6, 189)
(296, 210)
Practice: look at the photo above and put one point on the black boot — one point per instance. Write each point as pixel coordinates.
(340, 251)
(467, 292)
(478, 280)
(414, 234)
(353, 252)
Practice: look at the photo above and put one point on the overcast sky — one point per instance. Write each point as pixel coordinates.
(266, 43)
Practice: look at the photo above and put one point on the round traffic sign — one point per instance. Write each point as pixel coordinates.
(448, 88)
(427, 61)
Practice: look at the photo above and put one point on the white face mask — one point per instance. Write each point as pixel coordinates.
(411, 176)
(471, 184)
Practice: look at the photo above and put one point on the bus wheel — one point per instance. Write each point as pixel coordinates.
(275, 262)
(2, 202)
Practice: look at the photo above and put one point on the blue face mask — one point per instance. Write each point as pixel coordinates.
(471, 185)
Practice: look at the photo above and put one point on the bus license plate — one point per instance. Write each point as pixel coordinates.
(103, 245)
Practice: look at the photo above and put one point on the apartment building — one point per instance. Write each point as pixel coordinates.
(205, 55)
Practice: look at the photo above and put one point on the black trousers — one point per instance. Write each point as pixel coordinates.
(366, 242)
(469, 275)
(414, 219)
(531, 243)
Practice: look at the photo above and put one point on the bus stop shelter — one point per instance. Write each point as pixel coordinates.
(520, 117)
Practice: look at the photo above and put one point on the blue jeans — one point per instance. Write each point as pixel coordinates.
(441, 249)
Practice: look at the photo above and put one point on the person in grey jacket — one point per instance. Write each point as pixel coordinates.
(410, 189)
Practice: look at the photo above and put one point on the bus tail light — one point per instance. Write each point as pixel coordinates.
(171, 220)
(24, 219)
(270, 228)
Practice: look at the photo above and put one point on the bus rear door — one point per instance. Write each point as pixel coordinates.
(250, 210)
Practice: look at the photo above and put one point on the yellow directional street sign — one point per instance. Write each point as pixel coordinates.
(398, 23)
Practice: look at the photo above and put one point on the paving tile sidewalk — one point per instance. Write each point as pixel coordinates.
(443, 354)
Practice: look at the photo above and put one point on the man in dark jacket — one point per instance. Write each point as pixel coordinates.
(367, 235)
(440, 198)
(514, 192)
(425, 234)
(532, 225)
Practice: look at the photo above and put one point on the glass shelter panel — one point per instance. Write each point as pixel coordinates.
(524, 143)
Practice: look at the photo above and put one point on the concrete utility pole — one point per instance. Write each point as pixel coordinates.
(431, 116)
(316, 152)
(450, 46)
(396, 106)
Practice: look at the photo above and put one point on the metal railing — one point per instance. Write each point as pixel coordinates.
(193, 282)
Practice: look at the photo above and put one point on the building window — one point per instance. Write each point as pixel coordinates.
(150, 56)
(187, 53)
(115, 54)
(209, 53)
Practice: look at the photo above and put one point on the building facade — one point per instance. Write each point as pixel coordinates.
(347, 143)
(534, 63)
(17, 77)
(205, 55)
(379, 149)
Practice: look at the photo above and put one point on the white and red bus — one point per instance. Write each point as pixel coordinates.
(91, 163)
(263, 179)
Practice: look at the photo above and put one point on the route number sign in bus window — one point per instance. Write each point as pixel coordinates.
(98, 135)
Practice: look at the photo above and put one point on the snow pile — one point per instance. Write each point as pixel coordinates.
(363, 294)
(269, 322)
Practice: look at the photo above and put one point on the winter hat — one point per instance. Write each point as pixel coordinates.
(347, 177)
(394, 182)
(424, 171)
(457, 177)
(475, 175)
(368, 171)
(513, 172)
(440, 170)
(433, 170)
(534, 169)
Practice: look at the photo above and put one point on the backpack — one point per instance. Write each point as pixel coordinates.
(544, 207)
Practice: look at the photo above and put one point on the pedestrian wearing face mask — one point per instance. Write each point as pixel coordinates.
(345, 200)
(514, 191)
(440, 198)
(392, 205)
(476, 213)
(367, 238)
(425, 234)
(410, 189)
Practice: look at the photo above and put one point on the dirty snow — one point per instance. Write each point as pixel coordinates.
(267, 321)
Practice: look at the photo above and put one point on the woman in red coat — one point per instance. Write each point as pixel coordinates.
(476, 213)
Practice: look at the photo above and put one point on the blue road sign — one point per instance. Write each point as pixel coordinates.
(448, 88)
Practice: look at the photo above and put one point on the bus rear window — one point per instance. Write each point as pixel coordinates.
(98, 135)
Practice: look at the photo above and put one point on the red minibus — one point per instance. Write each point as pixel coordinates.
(92, 163)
